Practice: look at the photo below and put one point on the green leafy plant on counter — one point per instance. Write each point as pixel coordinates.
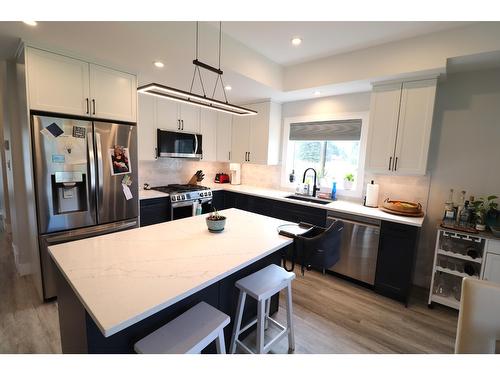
(483, 206)
(349, 177)
(215, 215)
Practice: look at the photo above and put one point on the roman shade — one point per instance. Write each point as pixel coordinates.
(338, 130)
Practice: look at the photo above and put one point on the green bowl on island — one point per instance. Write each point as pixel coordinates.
(216, 222)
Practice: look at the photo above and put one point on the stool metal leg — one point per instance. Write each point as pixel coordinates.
(261, 317)
(220, 344)
(237, 323)
(268, 307)
(289, 318)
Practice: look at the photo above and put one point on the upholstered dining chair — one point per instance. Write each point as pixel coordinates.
(479, 317)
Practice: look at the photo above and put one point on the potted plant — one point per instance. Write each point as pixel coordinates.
(215, 221)
(482, 207)
(348, 181)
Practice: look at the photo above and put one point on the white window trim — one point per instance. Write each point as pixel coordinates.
(287, 152)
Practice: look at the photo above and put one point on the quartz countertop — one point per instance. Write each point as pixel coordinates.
(342, 206)
(122, 278)
(150, 194)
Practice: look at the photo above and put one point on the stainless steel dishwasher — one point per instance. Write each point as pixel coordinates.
(359, 248)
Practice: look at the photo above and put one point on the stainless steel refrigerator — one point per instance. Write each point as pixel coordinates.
(85, 182)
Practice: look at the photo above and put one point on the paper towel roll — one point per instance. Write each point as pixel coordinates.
(371, 195)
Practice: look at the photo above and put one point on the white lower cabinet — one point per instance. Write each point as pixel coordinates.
(146, 127)
(224, 125)
(492, 268)
(208, 130)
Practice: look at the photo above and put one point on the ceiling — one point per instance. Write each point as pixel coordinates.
(321, 39)
(133, 46)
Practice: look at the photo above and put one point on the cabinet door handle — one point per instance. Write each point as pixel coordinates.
(390, 163)
(182, 122)
(178, 124)
(396, 164)
(88, 109)
(248, 156)
(93, 106)
(229, 155)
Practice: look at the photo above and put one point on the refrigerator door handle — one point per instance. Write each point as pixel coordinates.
(100, 176)
(92, 185)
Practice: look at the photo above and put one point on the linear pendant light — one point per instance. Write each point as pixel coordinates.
(171, 93)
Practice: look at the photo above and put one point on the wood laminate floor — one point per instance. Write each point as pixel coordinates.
(331, 316)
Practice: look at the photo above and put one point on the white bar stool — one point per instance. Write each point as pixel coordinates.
(189, 333)
(262, 285)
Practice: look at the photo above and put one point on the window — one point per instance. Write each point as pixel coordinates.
(334, 148)
(333, 160)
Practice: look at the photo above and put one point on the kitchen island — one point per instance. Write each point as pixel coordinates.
(117, 288)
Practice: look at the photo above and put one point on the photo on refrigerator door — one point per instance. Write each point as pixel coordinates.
(120, 160)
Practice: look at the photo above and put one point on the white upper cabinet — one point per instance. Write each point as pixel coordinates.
(256, 139)
(57, 83)
(208, 130)
(113, 93)
(146, 127)
(400, 127)
(240, 142)
(384, 110)
(71, 86)
(224, 125)
(414, 126)
(190, 118)
(167, 114)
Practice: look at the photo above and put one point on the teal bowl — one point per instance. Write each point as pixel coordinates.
(216, 226)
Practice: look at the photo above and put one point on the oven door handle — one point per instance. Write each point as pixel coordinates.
(182, 204)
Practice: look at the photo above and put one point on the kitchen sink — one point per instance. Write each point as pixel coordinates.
(307, 199)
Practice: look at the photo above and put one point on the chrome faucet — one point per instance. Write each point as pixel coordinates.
(304, 180)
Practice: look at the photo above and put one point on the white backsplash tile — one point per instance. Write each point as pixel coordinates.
(166, 171)
(267, 176)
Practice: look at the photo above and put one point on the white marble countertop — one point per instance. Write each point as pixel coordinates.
(342, 206)
(150, 194)
(124, 277)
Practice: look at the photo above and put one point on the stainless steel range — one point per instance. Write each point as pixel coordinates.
(184, 199)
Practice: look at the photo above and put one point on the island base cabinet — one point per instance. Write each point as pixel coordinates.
(80, 334)
(395, 260)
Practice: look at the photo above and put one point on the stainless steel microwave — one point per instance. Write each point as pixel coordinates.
(178, 144)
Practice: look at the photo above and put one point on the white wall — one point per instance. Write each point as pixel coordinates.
(464, 152)
(358, 102)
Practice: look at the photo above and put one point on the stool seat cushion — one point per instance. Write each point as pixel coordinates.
(266, 282)
(186, 333)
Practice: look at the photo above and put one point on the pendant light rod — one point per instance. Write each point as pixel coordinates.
(207, 67)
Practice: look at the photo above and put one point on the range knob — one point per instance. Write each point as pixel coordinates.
(174, 198)
(209, 193)
(183, 197)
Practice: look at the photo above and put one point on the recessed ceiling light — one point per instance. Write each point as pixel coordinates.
(31, 23)
(296, 41)
(158, 64)
(317, 93)
(228, 88)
